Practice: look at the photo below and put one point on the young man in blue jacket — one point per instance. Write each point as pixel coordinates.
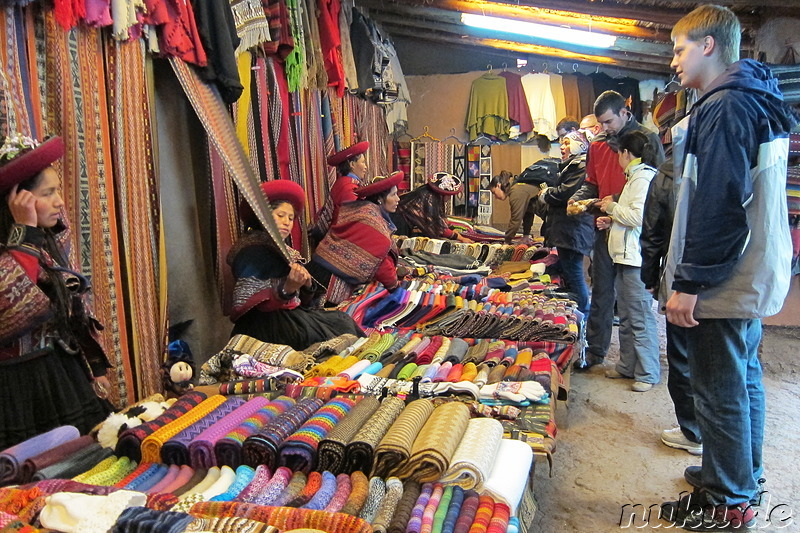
(729, 258)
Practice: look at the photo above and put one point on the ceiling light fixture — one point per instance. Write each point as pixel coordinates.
(542, 31)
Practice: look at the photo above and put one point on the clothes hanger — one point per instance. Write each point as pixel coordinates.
(505, 66)
(489, 70)
(453, 137)
(544, 68)
(558, 68)
(425, 135)
(482, 137)
(574, 67)
(401, 132)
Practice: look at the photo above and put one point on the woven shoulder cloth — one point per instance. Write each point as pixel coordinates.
(472, 462)
(395, 447)
(332, 449)
(361, 448)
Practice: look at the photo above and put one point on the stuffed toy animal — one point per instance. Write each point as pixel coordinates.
(178, 369)
(136, 415)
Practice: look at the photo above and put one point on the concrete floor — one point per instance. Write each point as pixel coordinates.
(609, 453)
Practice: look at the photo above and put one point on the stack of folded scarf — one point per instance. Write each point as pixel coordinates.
(201, 448)
(228, 449)
(361, 448)
(51, 456)
(262, 448)
(72, 465)
(332, 449)
(395, 447)
(11, 459)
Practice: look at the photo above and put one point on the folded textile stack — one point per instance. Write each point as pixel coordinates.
(12, 459)
(262, 448)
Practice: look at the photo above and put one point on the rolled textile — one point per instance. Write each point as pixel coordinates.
(436, 443)
(230, 524)
(343, 488)
(201, 447)
(146, 476)
(11, 459)
(170, 444)
(226, 478)
(454, 376)
(158, 473)
(122, 467)
(402, 514)
(185, 473)
(395, 447)
(292, 490)
(359, 489)
(72, 512)
(212, 476)
(196, 478)
(509, 473)
(466, 516)
(313, 484)
(228, 449)
(386, 510)
(284, 518)
(144, 520)
(472, 461)
(325, 494)
(77, 463)
(361, 448)
(133, 474)
(50, 456)
(441, 510)
(456, 351)
(375, 495)
(272, 490)
(99, 467)
(244, 475)
(256, 486)
(483, 515)
(299, 450)
(499, 522)
(355, 370)
(414, 524)
(130, 441)
(262, 448)
(429, 514)
(332, 449)
(453, 510)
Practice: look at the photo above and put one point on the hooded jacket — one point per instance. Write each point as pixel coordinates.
(730, 241)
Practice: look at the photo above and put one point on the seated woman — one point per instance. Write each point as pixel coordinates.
(421, 211)
(573, 236)
(359, 246)
(52, 368)
(274, 301)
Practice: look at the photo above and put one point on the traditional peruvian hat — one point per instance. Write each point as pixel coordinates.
(348, 153)
(445, 183)
(380, 184)
(23, 157)
(279, 190)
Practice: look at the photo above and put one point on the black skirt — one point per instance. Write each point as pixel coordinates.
(298, 328)
(40, 393)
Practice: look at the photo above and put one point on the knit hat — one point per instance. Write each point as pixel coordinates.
(445, 183)
(380, 184)
(578, 143)
(22, 158)
(348, 153)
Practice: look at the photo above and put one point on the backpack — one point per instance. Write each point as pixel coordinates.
(543, 171)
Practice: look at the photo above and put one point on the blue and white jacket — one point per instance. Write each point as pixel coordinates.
(730, 241)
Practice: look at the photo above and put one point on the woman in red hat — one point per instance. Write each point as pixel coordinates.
(359, 246)
(421, 211)
(274, 301)
(351, 167)
(52, 369)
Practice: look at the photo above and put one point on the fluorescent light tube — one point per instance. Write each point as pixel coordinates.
(542, 31)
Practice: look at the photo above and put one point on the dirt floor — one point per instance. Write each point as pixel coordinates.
(609, 453)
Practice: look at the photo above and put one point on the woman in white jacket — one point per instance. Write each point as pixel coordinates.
(638, 337)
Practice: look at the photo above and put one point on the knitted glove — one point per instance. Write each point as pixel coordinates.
(514, 391)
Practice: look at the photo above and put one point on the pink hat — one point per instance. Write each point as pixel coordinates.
(380, 184)
(22, 158)
(348, 153)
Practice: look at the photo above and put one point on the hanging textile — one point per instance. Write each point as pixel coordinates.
(17, 112)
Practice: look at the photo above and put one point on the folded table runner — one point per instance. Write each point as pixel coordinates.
(332, 449)
(11, 459)
(472, 461)
(130, 441)
(176, 449)
(51, 456)
(262, 448)
(361, 448)
(299, 450)
(228, 449)
(201, 448)
(395, 447)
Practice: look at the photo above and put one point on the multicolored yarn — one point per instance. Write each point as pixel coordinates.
(340, 497)
(453, 510)
(244, 475)
(273, 489)
(299, 450)
(161, 501)
(250, 386)
(358, 494)
(467, 514)
(394, 491)
(500, 517)
(230, 524)
(262, 448)
(256, 486)
(402, 514)
(429, 513)
(483, 516)
(144, 520)
(324, 493)
(99, 468)
(292, 490)
(229, 448)
(284, 518)
(375, 495)
(441, 510)
(186, 503)
(313, 484)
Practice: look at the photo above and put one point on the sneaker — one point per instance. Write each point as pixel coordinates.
(692, 476)
(641, 386)
(589, 362)
(694, 513)
(611, 373)
(674, 438)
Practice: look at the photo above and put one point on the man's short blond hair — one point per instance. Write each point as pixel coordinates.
(716, 21)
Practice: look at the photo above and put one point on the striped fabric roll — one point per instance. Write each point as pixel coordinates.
(394, 492)
(402, 514)
(325, 494)
(229, 448)
(256, 486)
(313, 484)
(415, 521)
(343, 488)
(500, 517)
(292, 490)
(151, 445)
(453, 510)
(201, 448)
(483, 516)
(275, 487)
(359, 489)
(429, 514)
(130, 441)
(262, 448)
(361, 448)
(332, 449)
(466, 515)
(395, 447)
(284, 518)
(175, 451)
(299, 450)
(473, 459)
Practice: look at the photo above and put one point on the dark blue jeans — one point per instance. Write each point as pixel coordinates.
(601, 311)
(725, 374)
(571, 263)
(680, 389)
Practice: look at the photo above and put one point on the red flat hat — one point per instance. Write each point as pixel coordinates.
(30, 163)
(445, 183)
(279, 190)
(348, 153)
(380, 184)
